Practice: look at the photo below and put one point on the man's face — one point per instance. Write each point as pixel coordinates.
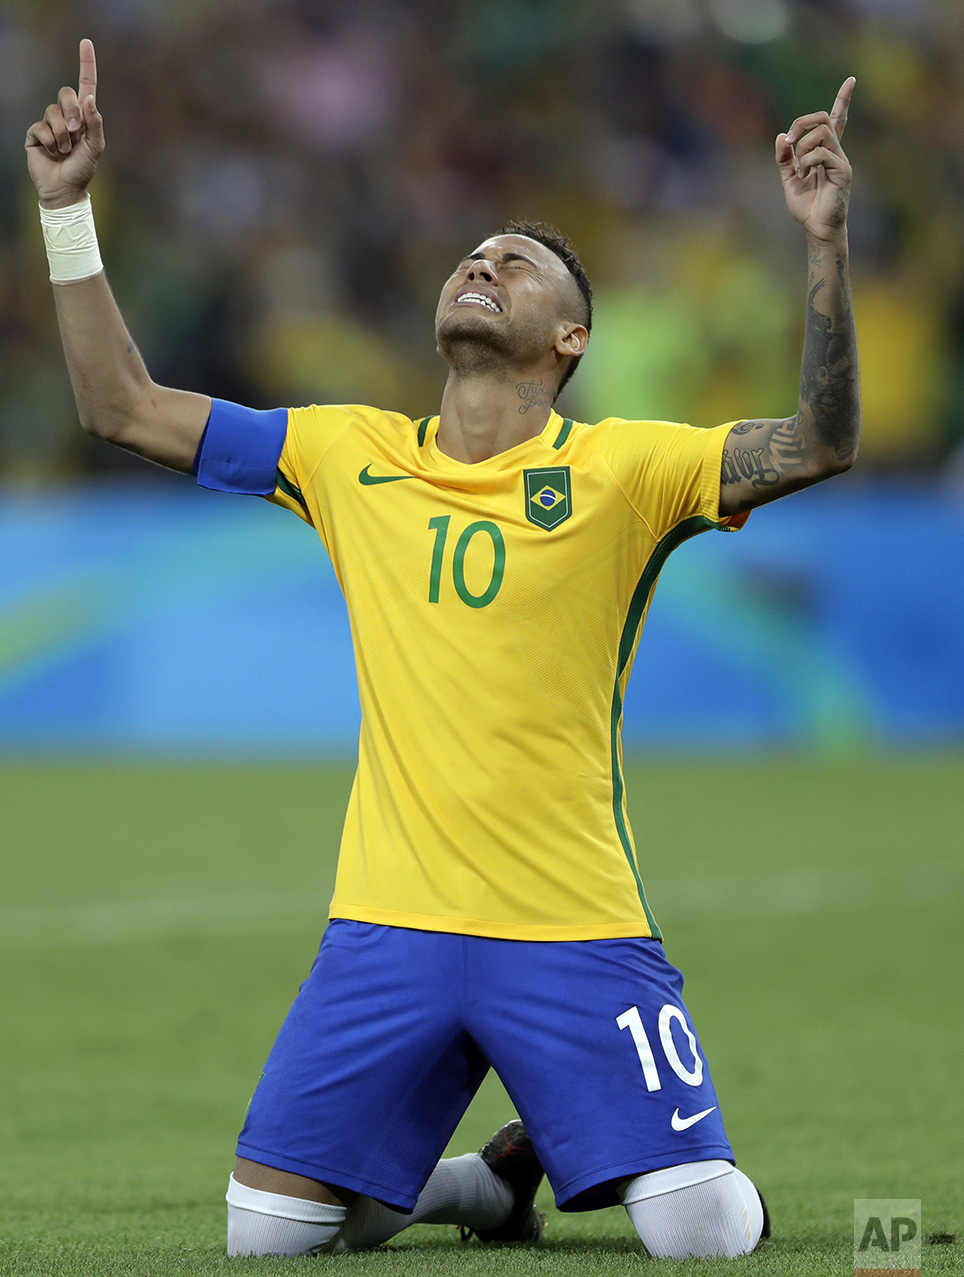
(506, 299)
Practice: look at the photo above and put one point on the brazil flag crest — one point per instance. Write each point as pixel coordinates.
(548, 496)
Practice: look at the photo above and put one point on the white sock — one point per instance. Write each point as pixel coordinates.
(695, 1210)
(461, 1190)
(262, 1223)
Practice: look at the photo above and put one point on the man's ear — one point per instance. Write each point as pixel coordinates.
(572, 340)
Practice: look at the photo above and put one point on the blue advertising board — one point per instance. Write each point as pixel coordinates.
(143, 619)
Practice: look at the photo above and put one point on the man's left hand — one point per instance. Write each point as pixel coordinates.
(815, 172)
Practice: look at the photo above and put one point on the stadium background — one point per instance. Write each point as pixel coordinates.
(286, 185)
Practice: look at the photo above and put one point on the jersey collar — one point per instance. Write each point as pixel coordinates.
(552, 437)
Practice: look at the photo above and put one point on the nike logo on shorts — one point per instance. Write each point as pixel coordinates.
(367, 478)
(684, 1123)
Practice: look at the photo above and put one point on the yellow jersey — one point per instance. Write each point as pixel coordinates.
(495, 611)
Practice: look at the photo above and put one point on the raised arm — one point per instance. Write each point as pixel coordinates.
(116, 398)
(767, 459)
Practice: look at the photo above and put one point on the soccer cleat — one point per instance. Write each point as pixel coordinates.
(510, 1155)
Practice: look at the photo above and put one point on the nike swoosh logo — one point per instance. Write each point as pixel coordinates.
(368, 479)
(684, 1123)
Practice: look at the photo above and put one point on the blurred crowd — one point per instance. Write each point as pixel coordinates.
(288, 183)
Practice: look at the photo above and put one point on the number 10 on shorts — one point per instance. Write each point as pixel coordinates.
(632, 1021)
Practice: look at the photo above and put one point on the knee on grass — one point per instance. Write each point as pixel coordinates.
(697, 1210)
(261, 1223)
(460, 1190)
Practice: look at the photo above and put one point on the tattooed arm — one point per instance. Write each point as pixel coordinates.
(767, 459)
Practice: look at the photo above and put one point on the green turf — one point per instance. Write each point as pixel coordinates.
(155, 922)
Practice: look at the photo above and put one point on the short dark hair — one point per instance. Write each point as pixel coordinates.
(559, 244)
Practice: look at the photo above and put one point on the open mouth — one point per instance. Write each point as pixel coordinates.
(479, 299)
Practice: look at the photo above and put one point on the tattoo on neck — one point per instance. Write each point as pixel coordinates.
(534, 394)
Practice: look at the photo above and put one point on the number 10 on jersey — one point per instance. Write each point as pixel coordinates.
(483, 527)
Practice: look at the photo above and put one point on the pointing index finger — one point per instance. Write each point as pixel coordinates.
(87, 86)
(841, 107)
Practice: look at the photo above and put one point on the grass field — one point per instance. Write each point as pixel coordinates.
(156, 920)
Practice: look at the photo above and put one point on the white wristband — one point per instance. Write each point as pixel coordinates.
(71, 242)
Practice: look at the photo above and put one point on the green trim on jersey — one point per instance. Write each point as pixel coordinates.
(422, 427)
(676, 536)
(563, 434)
(289, 489)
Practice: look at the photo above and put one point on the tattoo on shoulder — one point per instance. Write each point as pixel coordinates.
(747, 427)
(779, 452)
(741, 464)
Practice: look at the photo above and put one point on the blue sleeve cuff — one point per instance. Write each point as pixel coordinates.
(240, 449)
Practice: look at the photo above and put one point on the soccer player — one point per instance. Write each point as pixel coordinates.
(498, 562)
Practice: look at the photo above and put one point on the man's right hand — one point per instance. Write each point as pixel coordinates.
(63, 148)
(116, 398)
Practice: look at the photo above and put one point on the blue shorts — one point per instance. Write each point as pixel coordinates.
(394, 1030)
